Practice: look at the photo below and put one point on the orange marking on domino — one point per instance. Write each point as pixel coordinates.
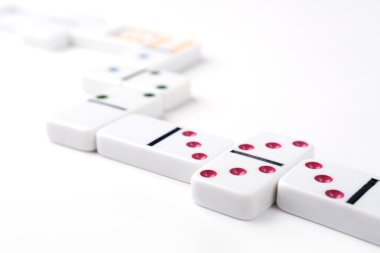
(159, 41)
(183, 46)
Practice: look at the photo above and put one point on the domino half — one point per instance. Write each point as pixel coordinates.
(159, 146)
(77, 126)
(242, 183)
(335, 196)
(174, 88)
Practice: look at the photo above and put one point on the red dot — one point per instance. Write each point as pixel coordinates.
(323, 178)
(199, 156)
(208, 173)
(314, 165)
(300, 144)
(273, 145)
(267, 169)
(334, 194)
(238, 171)
(189, 133)
(246, 147)
(193, 144)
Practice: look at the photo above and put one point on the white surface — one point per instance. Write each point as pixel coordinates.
(247, 196)
(300, 194)
(126, 140)
(301, 68)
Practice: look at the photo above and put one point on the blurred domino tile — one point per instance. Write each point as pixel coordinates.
(134, 45)
(142, 46)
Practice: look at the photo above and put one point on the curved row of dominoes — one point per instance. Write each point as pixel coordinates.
(240, 180)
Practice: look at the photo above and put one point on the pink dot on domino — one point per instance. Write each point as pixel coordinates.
(199, 156)
(246, 147)
(189, 133)
(273, 145)
(267, 169)
(208, 173)
(193, 144)
(238, 171)
(314, 165)
(300, 144)
(323, 178)
(335, 194)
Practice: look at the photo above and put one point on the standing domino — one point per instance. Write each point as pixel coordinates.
(174, 88)
(341, 198)
(242, 183)
(159, 146)
(76, 127)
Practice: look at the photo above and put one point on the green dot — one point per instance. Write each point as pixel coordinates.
(149, 94)
(101, 96)
(155, 72)
(162, 86)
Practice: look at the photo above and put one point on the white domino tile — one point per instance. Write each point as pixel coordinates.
(136, 46)
(159, 146)
(242, 183)
(174, 88)
(77, 126)
(341, 198)
(140, 46)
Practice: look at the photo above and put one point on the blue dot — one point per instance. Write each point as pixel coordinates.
(113, 69)
(143, 56)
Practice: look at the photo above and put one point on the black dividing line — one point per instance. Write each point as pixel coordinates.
(371, 183)
(137, 73)
(164, 136)
(107, 104)
(257, 158)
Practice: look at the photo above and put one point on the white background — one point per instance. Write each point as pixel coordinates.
(308, 69)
